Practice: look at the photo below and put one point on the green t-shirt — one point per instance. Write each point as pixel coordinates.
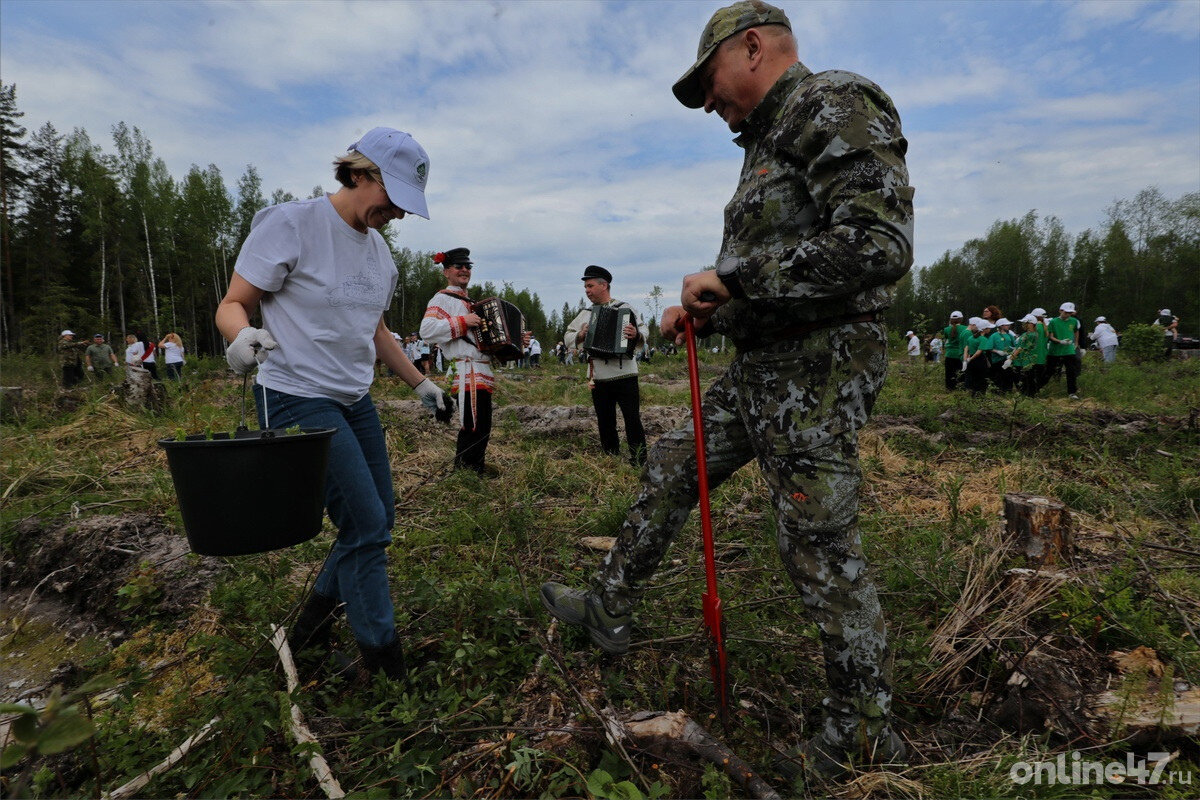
(1043, 340)
(1002, 345)
(978, 342)
(1026, 353)
(956, 339)
(1062, 329)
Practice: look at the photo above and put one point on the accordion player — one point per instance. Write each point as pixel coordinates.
(501, 331)
(606, 333)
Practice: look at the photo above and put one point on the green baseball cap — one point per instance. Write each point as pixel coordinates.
(724, 23)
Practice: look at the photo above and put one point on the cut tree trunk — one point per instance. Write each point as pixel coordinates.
(1039, 529)
(140, 391)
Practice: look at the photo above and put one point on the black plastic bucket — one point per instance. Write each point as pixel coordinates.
(251, 492)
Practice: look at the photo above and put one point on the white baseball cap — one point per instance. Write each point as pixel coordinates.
(908, 333)
(1166, 312)
(976, 321)
(1068, 307)
(67, 333)
(1003, 321)
(1029, 318)
(985, 324)
(404, 165)
(1038, 312)
(1100, 319)
(956, 315)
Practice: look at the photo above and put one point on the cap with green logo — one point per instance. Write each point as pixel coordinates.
(724, 23)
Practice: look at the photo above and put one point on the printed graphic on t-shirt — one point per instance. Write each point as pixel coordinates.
(364, 290)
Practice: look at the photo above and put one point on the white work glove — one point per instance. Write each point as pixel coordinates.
(431, 395)
(436, 399)
(91, 369)
(249, 348)
(1007, 363)
(964, 367)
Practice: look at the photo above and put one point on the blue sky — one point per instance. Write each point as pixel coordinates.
(553, 136)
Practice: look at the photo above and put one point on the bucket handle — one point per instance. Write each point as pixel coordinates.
(266, 411)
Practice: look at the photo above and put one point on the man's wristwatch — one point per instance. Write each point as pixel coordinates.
(730, 273)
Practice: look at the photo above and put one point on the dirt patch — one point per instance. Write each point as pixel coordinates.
(86, 562)
(566, 421)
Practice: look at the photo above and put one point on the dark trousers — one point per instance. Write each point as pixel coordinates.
(472, 444)
(72, 375)
(1001, 377)
(1069, 365)
(953, 372)
(606, 397)
(977, 376)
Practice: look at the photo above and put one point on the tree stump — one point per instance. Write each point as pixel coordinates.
(139, 390)
(1039, 528)
(11, 403)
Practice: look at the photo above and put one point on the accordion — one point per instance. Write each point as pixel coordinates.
(501, 331)
(606, 333)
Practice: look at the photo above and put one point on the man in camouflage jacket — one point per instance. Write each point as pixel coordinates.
(818, 232)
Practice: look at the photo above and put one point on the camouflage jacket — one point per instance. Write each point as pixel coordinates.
(822, 218)
(70, 353)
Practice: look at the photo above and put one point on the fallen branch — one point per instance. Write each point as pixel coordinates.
(134, 786)
(662, 731)
(300, 731)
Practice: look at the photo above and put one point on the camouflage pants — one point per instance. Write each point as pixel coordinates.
(795, 407)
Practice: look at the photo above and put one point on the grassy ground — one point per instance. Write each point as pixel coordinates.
(494, 684)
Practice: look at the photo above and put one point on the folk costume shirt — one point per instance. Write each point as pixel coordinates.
(327, 286)
(443, 325)
(821, 224)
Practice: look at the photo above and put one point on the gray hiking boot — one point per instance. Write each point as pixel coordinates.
(822, 759)
(610, 633)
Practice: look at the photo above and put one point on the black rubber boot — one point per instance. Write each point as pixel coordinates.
(389, 659)
(313, 628)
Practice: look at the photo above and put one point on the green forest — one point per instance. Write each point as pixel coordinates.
(111, 241)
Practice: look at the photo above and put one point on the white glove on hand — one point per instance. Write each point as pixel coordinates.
(1007, 363)
(431, 395)
(249, 348)
(964, 367)
(91, 369)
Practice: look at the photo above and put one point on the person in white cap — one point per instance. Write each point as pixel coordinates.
(955, 335)
(1023, 358)
(1003, 342)
(1063, 331)
(70, 358)
(1170, 325)
(976, 357)
(323, 276)
(914, 346)
(1106, 338)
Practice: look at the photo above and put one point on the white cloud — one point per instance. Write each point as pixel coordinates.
(555, 141)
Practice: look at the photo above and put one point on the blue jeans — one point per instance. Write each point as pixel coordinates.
(359, 499)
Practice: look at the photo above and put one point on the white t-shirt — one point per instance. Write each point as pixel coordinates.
(133, 353)
(172, 353)
(1104, 335)
(327, 286)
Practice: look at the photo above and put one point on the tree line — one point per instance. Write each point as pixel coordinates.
(1145, 258)
(111, 242)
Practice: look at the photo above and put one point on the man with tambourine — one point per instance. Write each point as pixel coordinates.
(610, 335)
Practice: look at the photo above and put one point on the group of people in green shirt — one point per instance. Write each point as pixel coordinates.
(1022, 355)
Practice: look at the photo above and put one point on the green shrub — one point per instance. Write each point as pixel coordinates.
(1142, 343)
